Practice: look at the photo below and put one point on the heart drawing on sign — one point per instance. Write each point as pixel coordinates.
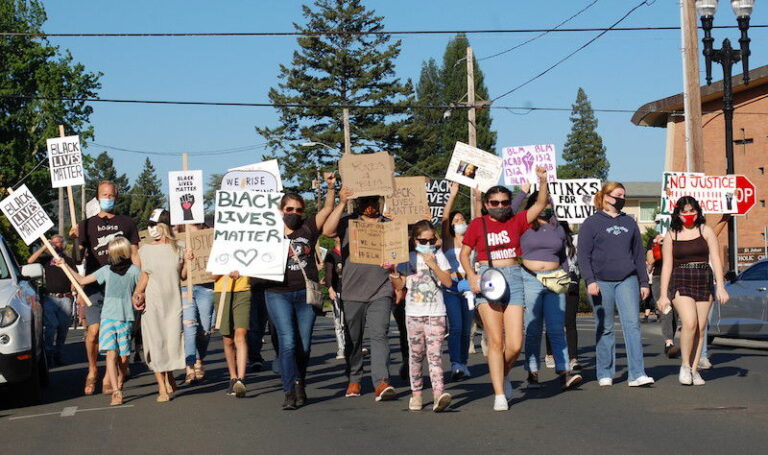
(246, 256)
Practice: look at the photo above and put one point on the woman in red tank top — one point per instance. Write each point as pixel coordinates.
(686, 281)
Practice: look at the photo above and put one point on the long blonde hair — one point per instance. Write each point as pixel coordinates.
(607, 189)
(166, 231)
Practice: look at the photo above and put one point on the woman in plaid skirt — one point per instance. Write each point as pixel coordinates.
(686, 281)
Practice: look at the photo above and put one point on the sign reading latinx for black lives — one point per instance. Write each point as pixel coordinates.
(26, 215)
(65, 161)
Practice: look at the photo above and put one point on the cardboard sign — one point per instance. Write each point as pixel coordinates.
(409, 200)
(65, 161)
(715, 193)
(520, 163)
(185, 189)
(248, 235)
(378, 243)
(92, 208)
(26, 215)
(438, 192)
(256, 180)
(369, 174)
(201, 243)
(269, 166)
(473, 167)
(573, 199)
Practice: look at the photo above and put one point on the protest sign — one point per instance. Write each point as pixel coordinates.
(248, 235)
(378, 243)
(270, 166)
(473, 167)
(256, 180)
(715, 193)
(409, 200)
(520, 163)
(185, 189)
(200, 242)
(438, 192)
(26, 215)
(573, 199)
(65, 161)
(92, 208)
(369, 174)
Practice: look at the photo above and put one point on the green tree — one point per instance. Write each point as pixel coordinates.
(214, 183)
(32, 69)
(584, 152)
(327, 70)
(101, 168)
(146, 195)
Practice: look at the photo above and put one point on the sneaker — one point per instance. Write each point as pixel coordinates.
(697, 379)
(574, 365)
(257, 365)
(570, 380)
(442, 402)
(231, 388)
(685, 377)
(457, 372)
(353, 390)
(508, 390)
(384, 391)
(340, 355)
(290, 401)
(549, 361)
(301, 393)
(415, 404)
(500, 403)
(239, 388)
(641, 381)
(467, 373)
(705, 364)
(366, 352)
(605, 382)
(533, 380)
(671, 351)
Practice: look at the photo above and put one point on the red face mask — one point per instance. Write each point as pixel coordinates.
(688, 220)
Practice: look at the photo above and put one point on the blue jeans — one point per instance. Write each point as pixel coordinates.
(57, 316)
(460, 319)
(624, 296)
(198, 318)
(543, 306)
(258, 324)
(294, 321)
(514, 294)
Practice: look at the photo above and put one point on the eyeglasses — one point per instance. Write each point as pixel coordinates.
(504, 203)
(431, 241)
(294, 209)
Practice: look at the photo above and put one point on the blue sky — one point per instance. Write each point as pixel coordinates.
(622, 70)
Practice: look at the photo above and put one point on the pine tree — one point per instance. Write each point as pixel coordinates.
(214, 183)
(146, 195)
(584, 152)
(103, 168)
(329, 70)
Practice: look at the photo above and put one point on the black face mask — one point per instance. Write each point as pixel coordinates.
(619, 204)
(292, 220)
(501, 213)
(547, 214)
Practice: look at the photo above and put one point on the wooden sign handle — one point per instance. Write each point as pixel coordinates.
(71, 200)
(224, 286)
(188, 243)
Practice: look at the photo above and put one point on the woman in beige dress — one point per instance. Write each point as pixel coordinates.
(158, 295)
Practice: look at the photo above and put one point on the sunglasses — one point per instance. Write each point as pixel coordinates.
(504, 203)
(294, 209)
(431, 241)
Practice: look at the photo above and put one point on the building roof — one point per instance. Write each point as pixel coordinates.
(642, 190)
(656, 112)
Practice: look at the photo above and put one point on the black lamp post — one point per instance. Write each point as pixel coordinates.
(727, 56)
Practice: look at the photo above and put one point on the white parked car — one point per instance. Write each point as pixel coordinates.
(22, 360)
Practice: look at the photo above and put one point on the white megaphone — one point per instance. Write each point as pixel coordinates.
(493, 285)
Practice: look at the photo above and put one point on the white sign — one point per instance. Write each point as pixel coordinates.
(65, 161)
(573, 199)
(473, 167)
(256, 180)
(269, 166)
(248, 235)
(26, 215)
(185, 189)
(520, 163)
(92, 208)
(715, 193)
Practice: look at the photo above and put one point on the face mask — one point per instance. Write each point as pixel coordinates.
(107, 204)
(292, 220)
(689, 220)
(154, 232)
(501, 213)
(460, 229)
(424, 249)
(547, 214)
(619, 204)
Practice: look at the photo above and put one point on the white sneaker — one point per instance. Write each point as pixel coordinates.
(549, 361)
(605, 382)
(442, 403)
(641, 381)
(500, 403)
(415, 403)
(685, 375)
(697, 379)
(507, 390)
(705, 364)
(340, 355)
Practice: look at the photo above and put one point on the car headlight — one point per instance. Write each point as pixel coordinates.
(8, 316)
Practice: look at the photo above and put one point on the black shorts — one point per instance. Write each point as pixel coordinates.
(695, 283)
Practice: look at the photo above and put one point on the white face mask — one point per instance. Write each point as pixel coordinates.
(460, 229)
(154, 232)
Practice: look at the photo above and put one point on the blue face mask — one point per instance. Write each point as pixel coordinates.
(424, 249)
(107, 204)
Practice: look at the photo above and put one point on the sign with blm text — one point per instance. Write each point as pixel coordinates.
(438, 192)
(26, 215)
(248, 235)
(520, 163)
(65, 161)
(368, 174)
(378, 243)
(186, 197)
(409, 200)
(573, 199)
(473, 167)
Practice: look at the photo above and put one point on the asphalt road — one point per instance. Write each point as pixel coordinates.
(728, 415)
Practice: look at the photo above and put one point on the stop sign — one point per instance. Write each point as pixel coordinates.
(745, 195)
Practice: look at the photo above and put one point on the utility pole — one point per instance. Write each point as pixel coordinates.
(471, 118)
(694, 152)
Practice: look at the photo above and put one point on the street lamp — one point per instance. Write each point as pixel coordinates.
(727, 56)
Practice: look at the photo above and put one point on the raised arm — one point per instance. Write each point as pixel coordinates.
(517, 201)
(330, 198)
(36, 255)
(332, 222)
(446, 221)
(543, 197)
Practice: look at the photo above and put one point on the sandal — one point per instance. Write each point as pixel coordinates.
(117, 398)
(90, 385)
(199, 371)
(163, 398)
(190, 378)
(107, 388)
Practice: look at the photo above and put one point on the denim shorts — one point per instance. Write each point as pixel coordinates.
(514, 294)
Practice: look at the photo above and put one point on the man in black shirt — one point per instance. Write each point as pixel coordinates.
(57, 300)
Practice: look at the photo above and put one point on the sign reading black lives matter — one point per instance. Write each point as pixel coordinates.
(437, 196)
(26, 215)
(65, 161)
(186, 197)
(574, 199)
(248, 235)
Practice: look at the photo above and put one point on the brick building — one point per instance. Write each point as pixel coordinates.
(750, 133)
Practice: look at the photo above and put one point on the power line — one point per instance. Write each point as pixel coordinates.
(245, 148)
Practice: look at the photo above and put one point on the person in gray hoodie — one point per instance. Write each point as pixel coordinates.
(611, 258)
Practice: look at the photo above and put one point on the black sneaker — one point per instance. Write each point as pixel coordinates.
(231, 388)
(301, 394)
(457, 374)
(256, 366)
(239, 388)
(570, 380)
(533, 380)
(290, 401)
(671, 351)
